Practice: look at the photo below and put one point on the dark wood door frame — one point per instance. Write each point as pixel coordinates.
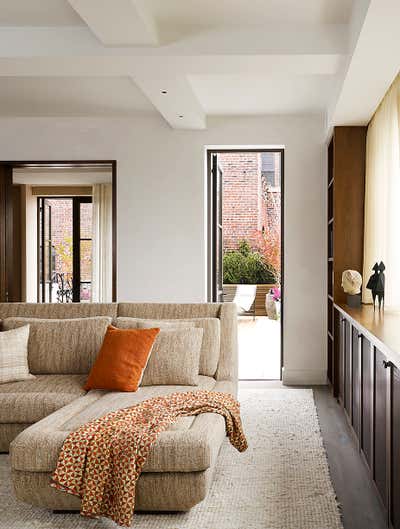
(7, 167)
(211, 216)
(6, 233)
(76, 202)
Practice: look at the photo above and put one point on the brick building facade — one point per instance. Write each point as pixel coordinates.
(251, 196)
(61, 236)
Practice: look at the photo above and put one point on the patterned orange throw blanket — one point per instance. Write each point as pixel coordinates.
(102, 460)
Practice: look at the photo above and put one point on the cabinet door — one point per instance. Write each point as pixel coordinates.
(380, 459)
(356, 381)
(336, 353)
(395, 455)
(348, 368)
(367, 398)
(342, 359)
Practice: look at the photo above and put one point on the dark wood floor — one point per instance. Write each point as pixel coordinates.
(360, 506)
(359, 503)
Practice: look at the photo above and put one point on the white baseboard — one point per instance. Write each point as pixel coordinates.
(304, 377)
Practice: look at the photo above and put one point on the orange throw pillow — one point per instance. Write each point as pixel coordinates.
(122, 359)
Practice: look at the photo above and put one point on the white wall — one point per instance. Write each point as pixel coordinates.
(161, 230)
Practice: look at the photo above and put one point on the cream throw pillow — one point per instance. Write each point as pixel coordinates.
(62, 346)
(210, 347)
(14, 355)
(174, 359)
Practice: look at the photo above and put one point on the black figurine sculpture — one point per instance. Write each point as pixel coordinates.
(376, 284)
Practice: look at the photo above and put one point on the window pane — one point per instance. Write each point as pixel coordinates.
(86, 260)
(61, 239)
(86, 220)
(271, 168)
(47, 242)
(86, 292)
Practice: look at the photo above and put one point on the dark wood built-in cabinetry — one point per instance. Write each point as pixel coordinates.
(369, 391)
(345, 223)
(363, 345)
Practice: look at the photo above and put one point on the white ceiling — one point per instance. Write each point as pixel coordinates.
(38, 13)
(213, 57)
(208, 13)
(73, 176)
(181, 13)
(255, 94)
(71, 96)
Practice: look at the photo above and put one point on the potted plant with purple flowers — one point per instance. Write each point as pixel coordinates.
(273, 303)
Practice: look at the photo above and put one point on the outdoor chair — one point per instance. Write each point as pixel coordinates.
(245, 299)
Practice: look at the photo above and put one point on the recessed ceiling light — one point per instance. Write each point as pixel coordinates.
(181, 115)
(164, 92)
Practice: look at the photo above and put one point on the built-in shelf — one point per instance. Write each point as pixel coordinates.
(344, 226)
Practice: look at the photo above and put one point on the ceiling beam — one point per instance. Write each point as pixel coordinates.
(372, 66)
(175, 100)
(169, 67)
(66, 52)
(47, 42)
(118, 22)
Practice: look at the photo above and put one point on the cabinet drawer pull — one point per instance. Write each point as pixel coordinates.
(387, 363)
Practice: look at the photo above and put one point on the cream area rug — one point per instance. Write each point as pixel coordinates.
(281, 482)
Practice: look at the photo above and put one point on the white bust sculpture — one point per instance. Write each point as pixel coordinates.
(351, 282)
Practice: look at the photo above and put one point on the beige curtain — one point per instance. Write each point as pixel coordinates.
(102, 243)
(382, 196)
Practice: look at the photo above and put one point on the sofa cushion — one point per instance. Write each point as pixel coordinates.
(174, 359)
(29, 401)
(8, 432)
(137, 323)
(121, 361)
(210, 348)
(14, 355)
(62, 346)
(57, 310)
(191, 444)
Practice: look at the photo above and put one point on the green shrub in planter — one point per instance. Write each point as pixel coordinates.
(245, 266)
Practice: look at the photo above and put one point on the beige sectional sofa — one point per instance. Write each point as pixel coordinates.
(37, 415)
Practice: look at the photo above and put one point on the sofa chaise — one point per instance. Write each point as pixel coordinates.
(37, 415)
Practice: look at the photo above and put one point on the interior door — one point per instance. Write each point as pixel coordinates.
(46, 271)
(82, 251)
(217, 178)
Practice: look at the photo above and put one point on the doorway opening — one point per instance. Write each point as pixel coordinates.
(58, 231)
(65, 236)
(245, 248)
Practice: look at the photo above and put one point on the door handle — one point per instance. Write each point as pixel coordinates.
(387, 363)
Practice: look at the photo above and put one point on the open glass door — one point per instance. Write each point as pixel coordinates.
(245, 218)
(218, 292)
(64, 249)
(45, 252)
